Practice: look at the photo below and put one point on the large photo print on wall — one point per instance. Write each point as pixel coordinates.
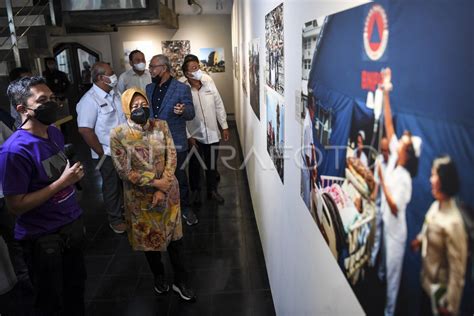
(254, 76)
(212, 59)
(274, 52)
(275, 129)
(387, 171)
(176, 51)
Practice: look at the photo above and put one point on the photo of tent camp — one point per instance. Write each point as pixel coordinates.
(212, 59)
(274, 51)
(275, 129)
(373, 130)
(254, 76)
(176, 51)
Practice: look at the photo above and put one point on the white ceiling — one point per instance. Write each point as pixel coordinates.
(208, 7)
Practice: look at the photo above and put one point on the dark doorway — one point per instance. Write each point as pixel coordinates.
(76, 61)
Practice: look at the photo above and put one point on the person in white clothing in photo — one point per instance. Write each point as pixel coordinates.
(396, 185)
(203, 131)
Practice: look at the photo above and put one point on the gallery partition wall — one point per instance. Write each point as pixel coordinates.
(318, 86)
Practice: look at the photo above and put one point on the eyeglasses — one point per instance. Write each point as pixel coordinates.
(153, 66)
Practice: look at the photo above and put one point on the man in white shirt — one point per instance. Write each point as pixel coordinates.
(137, 76)
(98, 112)
(203, 130)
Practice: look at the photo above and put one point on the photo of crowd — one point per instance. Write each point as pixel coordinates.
(254, 75)
(176, 51)
(212, 59)
(274, 57)
(275, 130)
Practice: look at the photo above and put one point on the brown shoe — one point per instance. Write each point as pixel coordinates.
(119, 228)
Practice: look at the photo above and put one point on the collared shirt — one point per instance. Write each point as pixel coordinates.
(444, 251)
(210, 112)
(159, 95)
(100, 111)
(130, 79)
(398, 182)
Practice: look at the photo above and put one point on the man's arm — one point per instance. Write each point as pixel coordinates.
(187, 100)
(86, 120)
(388, 118)
(22, 203)
(91, 140)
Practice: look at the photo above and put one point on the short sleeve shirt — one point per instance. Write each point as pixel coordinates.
(29, 163)
(102, 112)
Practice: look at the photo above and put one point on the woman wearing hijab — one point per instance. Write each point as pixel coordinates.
(443, 241)
(145, 158)
(396, 184)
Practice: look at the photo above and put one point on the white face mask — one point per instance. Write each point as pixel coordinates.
(140, 66)
(113, 81)
(197, 74)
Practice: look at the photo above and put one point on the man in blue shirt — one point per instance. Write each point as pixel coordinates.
(172, 102)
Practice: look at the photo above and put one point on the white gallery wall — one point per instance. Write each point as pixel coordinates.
(304, 277)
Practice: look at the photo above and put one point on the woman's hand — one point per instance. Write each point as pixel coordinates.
(158, 197)
(163, 184)
(415, 245)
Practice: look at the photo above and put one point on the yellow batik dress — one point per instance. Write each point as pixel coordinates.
(142, 154)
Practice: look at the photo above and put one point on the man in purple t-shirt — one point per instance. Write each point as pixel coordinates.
(37, 181)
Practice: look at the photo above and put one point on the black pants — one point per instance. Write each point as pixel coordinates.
(112, 189)
(181, 176)
(208, 154)
(58, 278)
(7, 226)
(425, 304)
(175, 250)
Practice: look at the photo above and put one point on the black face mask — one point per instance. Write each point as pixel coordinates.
(156, 79)
(140, 115)
(47, 113)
